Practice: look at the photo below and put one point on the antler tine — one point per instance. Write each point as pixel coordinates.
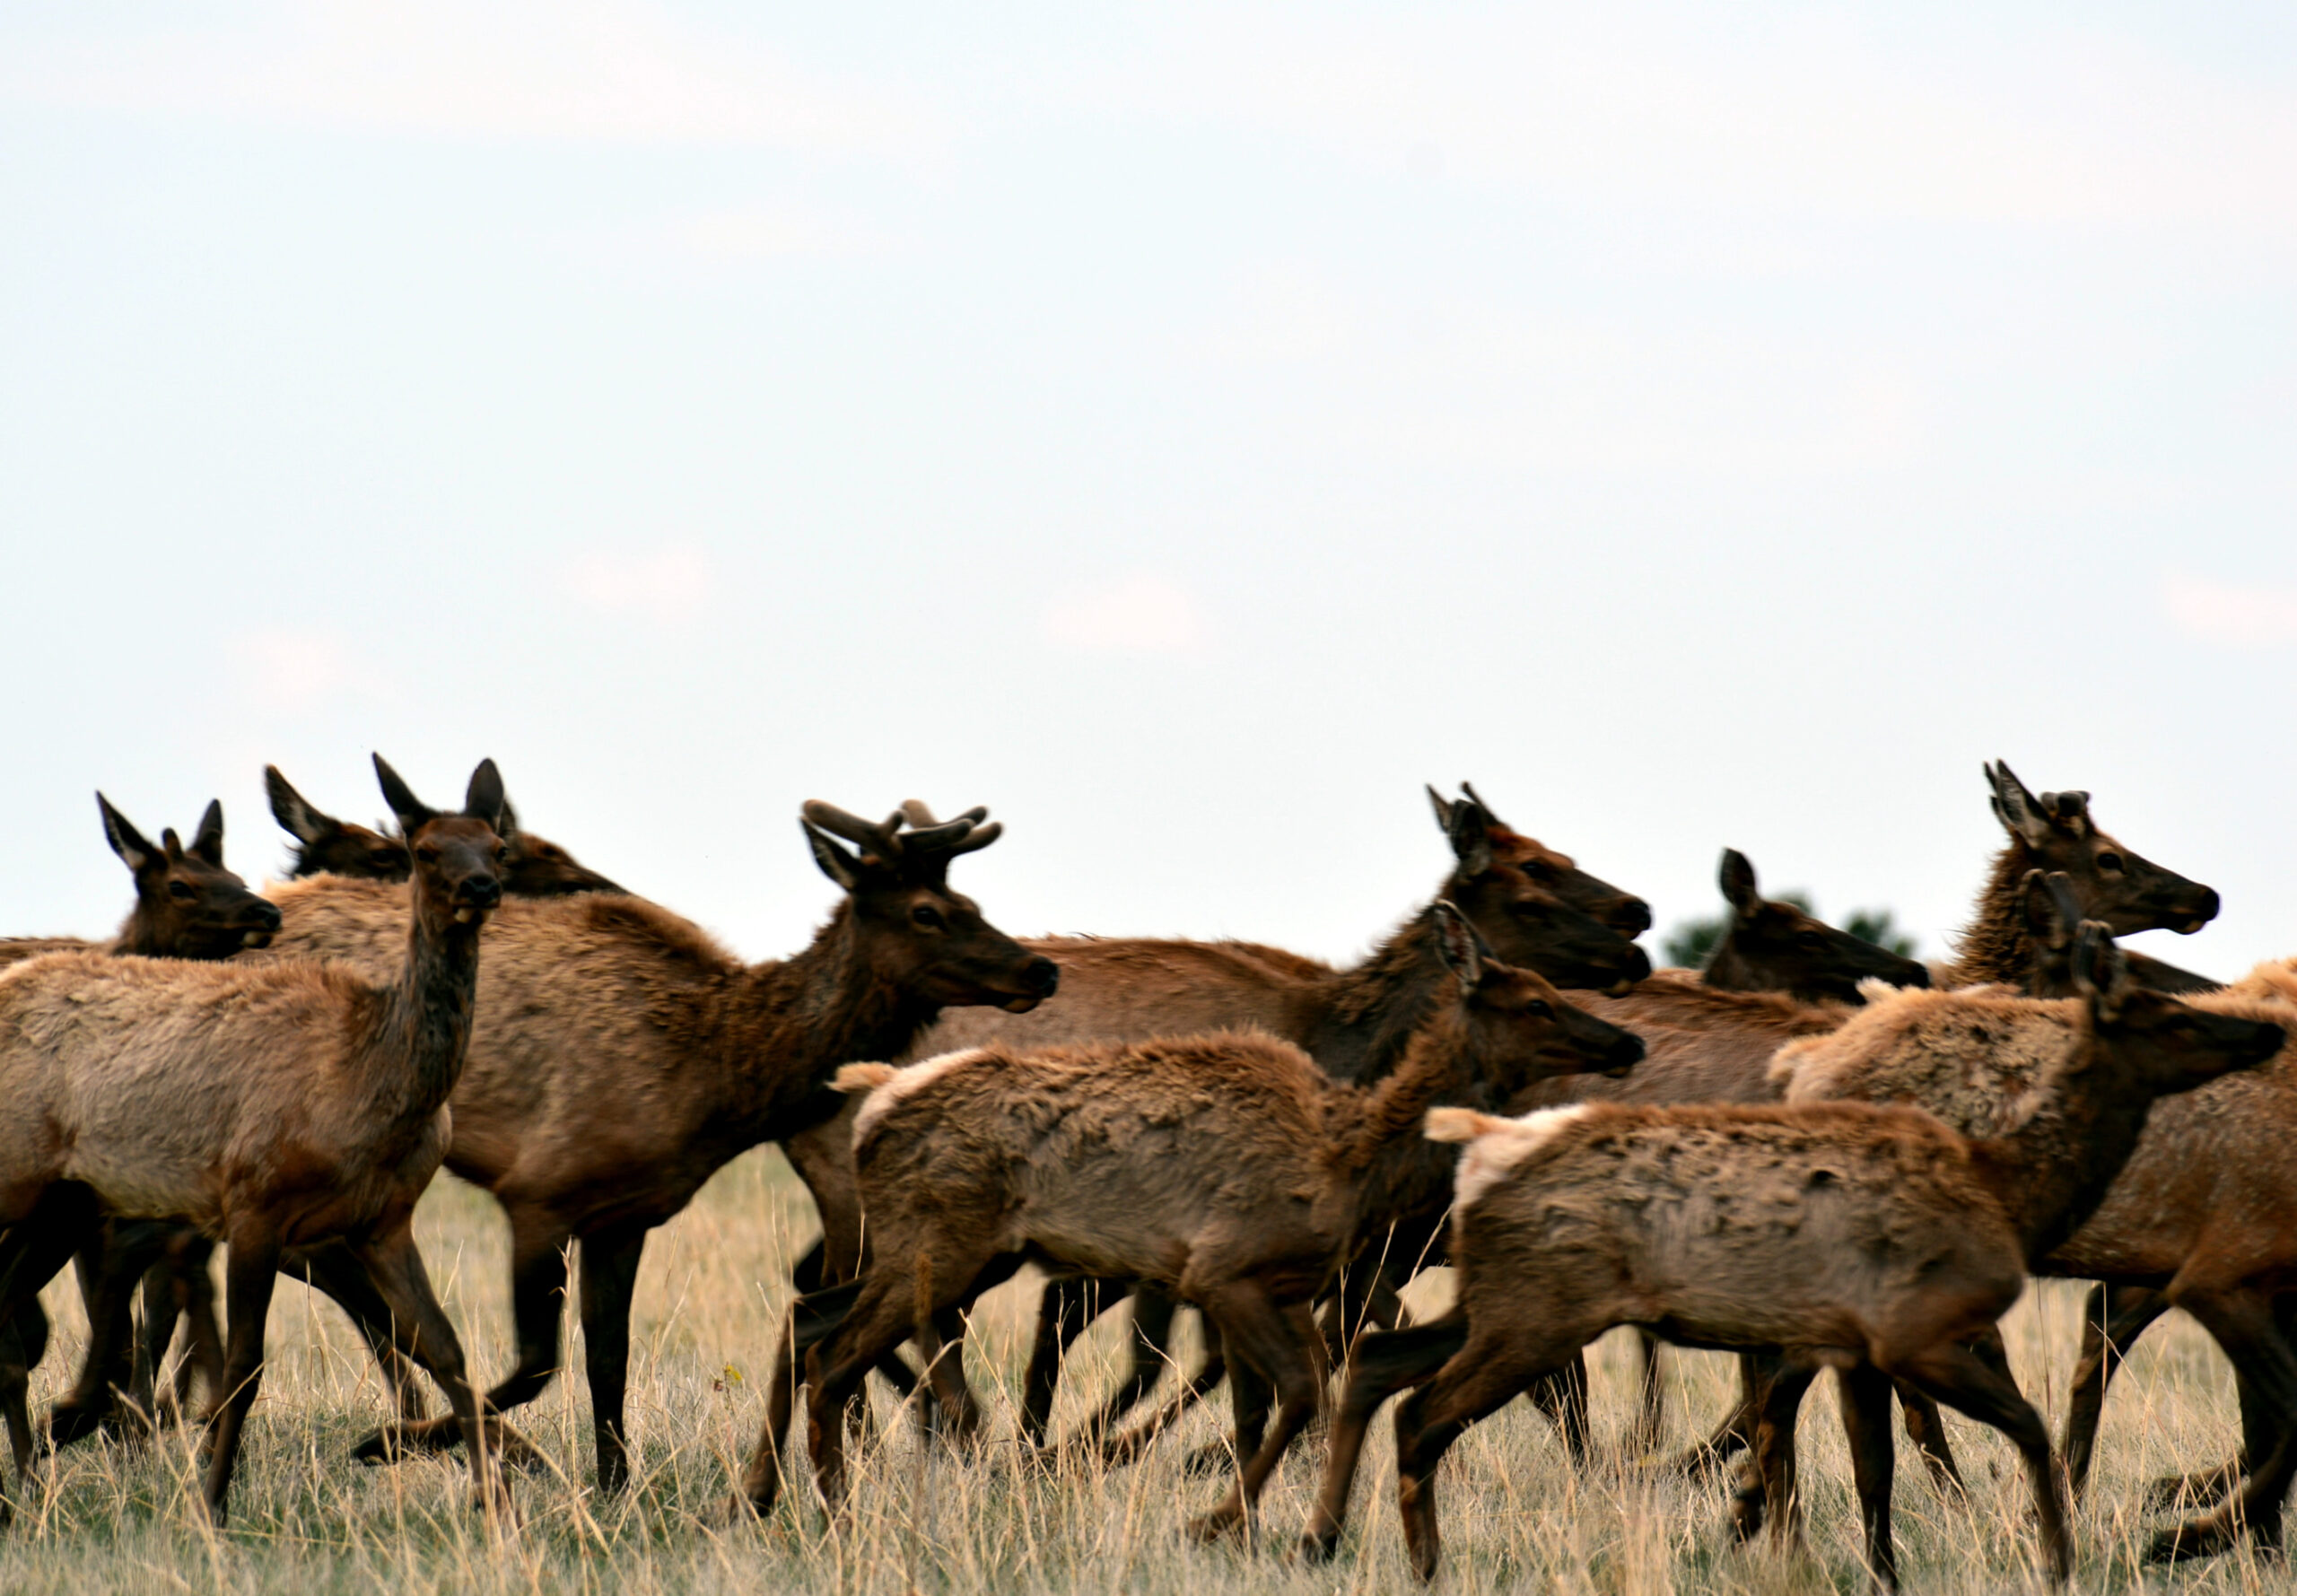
(878, 836)
(976, 838)
(918, 815)
(945, 837)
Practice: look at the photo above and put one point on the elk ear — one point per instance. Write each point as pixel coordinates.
(482, 800)
(2019, 810)
(838, 865)
(173, 844)
(135, 851)
(1457, 945)
(506, 821)
(2101, 973)
(1471, 832)
(1443, 811)
(1737, 880)
(208, 841)
(294, 812)
(410, 812)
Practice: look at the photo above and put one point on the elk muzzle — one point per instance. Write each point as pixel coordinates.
(1040, 979)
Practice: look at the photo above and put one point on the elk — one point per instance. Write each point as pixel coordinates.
(1228, 1169)
(1867, 1237)
(189, 905)
(171, 1260)
(1533, 905)
(274, 1105)
(1773, 946)
(323, 845)
(619, 1057)
(2183, 1217)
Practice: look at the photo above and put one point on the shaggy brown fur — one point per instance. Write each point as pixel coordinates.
(1866, 1236)
(272, 1105)
(621, 1056)
(1227, 1169)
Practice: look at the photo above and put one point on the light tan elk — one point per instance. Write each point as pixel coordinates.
(274, 1106)
(189, 905)
(1227, 1169)
(619, 1057)
(1866, 1238)
(1534, 906)
(2197, 1213)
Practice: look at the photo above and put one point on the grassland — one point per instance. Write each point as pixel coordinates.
(304, 1519)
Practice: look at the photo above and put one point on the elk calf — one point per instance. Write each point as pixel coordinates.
(1866, 1238)
(1226, 1169)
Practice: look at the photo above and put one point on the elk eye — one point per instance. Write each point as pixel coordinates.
(1808, 939)
(181, 891)
(2110, 863)
(1540, 1008)
(502, 852)
(427, 854)
(926, 915)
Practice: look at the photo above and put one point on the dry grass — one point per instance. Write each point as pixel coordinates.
(1516, 1516)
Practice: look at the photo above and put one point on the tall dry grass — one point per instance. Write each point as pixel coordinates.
(1515, 1517)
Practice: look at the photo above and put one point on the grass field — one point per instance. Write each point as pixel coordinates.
(1516, 1516)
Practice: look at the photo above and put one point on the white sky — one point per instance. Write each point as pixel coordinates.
(1185, 431)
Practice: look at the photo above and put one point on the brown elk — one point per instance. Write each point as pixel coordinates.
(274, 1105)
(1774, 946)
(1228, 1168)
(1533, 905)
(323, 845)
(1866, 1238)
(620, 1057)
(2193, 1214)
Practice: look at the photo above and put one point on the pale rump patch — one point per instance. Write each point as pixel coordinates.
(1497, 1148)
(905, 1083)
(2273, 982)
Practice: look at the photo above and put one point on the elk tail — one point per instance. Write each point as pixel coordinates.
(1460, 1124)
(862, 1077)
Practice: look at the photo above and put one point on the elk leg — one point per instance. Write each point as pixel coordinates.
(2112, 1319)
(2246, 1328)
(1926, 1427)
(247, 1277)
(191, 1294)
(1651, 1411)
(422, 1331)
(1867, 1426)
(1733, 1435)
(1380, 1366)
(941, 1336)
(1067, 1307)
(610, 1260)
(1476, 1382)
(1965, 1382)
(1149, 1351)
(1562, 1396)
(1211, 1459)
(108, 1268)
(880, 1321)
(1769, 1491)
(32, 1252)
(1282, 1348)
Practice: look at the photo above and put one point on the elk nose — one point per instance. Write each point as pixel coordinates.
(479, 891)
(1637, 963)
(1633, 917)
(1623, 1055)
(1042, 976)
(266, 915)
(2207, 910)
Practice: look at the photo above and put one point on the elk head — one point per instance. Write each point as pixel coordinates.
(188, 905)
(1512, 893)
(1521, 1030)
(459, 858)
(1544, 867)
(2114, 885)
(2159, 1044)
(917, 934)
(541, 869)
(324, 844)
(1770, 946)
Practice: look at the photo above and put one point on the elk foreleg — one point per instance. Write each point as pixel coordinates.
(1282, 1348)
(2248, 1329)
(1866, 1424)
(249, 1274)
(1379, 1366)
(1967, 1382)
(610, 1260)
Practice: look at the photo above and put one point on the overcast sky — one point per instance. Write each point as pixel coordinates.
(1186, 431)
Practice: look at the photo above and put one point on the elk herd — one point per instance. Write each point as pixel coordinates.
(1813, 1153)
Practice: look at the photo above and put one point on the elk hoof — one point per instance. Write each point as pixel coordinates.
(384, 1446)
(2204, 1489)
(67, 1423)
(1218, 1524)
(1317, 1545)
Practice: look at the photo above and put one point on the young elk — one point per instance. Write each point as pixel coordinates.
(188, 905)
(273, 1105)
(1226, 1169)
(1772, 947)
(1865, 1237)
(620, 1058)
(323, 845)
